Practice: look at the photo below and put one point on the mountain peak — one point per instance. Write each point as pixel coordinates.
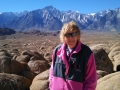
(49, 18)
(49, 7)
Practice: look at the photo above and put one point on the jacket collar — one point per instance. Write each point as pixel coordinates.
(62, 52)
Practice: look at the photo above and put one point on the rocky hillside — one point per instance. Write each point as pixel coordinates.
(6, 31)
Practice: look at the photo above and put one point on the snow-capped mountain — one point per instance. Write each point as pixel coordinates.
(109, 21)
(9, 16)
(50, 18)
(19, 14)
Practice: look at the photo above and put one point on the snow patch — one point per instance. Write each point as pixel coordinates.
(118, 16)
(92, 14)
(77, 11)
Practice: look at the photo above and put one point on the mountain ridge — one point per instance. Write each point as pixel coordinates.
(50, 18)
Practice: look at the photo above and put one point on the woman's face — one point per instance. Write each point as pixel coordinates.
(71, 39)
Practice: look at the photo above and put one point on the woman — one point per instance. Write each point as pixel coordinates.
(73, 64)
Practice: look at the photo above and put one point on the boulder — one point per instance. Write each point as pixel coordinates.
(29, 75)
(114, 56)
(100, 46)
(109, 82)
(113, 52)
(23, 58)
(38, 66)
(16, 67)
(14, 52)
(32, 53)
(41, 82)
(4, 53)
(102, 61)
(5, 64)
(13, 82)
(114, 45)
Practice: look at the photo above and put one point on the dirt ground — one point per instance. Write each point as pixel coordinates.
(22, 41)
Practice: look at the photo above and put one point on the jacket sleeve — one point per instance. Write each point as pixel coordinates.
(91, 75)
(51, 74)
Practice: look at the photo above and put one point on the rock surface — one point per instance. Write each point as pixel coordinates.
(40, 82)
(13, 82)
(109, 82)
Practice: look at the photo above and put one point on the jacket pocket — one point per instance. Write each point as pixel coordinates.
(74, 75)
(59, 69)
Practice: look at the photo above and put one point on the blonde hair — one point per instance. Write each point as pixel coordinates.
(67, 28)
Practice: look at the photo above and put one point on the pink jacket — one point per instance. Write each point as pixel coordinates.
(57, 83)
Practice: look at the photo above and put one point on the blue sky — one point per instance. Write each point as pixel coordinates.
(83, 6)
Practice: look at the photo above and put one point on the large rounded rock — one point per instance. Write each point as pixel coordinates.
(38, 66)
(14, 52)
(13, 82)
(16, 67)
(100, 46)
(4, 53)
(114, 56)
(29, 75)
(41, 82)
(5, 64)
(47, 56)
(113, 52)
(21, 69)
(23, 58)
(32, 53)
(114, 45)
(11, 66)
(102, 61)
(109, 82)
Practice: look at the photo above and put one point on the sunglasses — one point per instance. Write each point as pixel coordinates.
(70, 34)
